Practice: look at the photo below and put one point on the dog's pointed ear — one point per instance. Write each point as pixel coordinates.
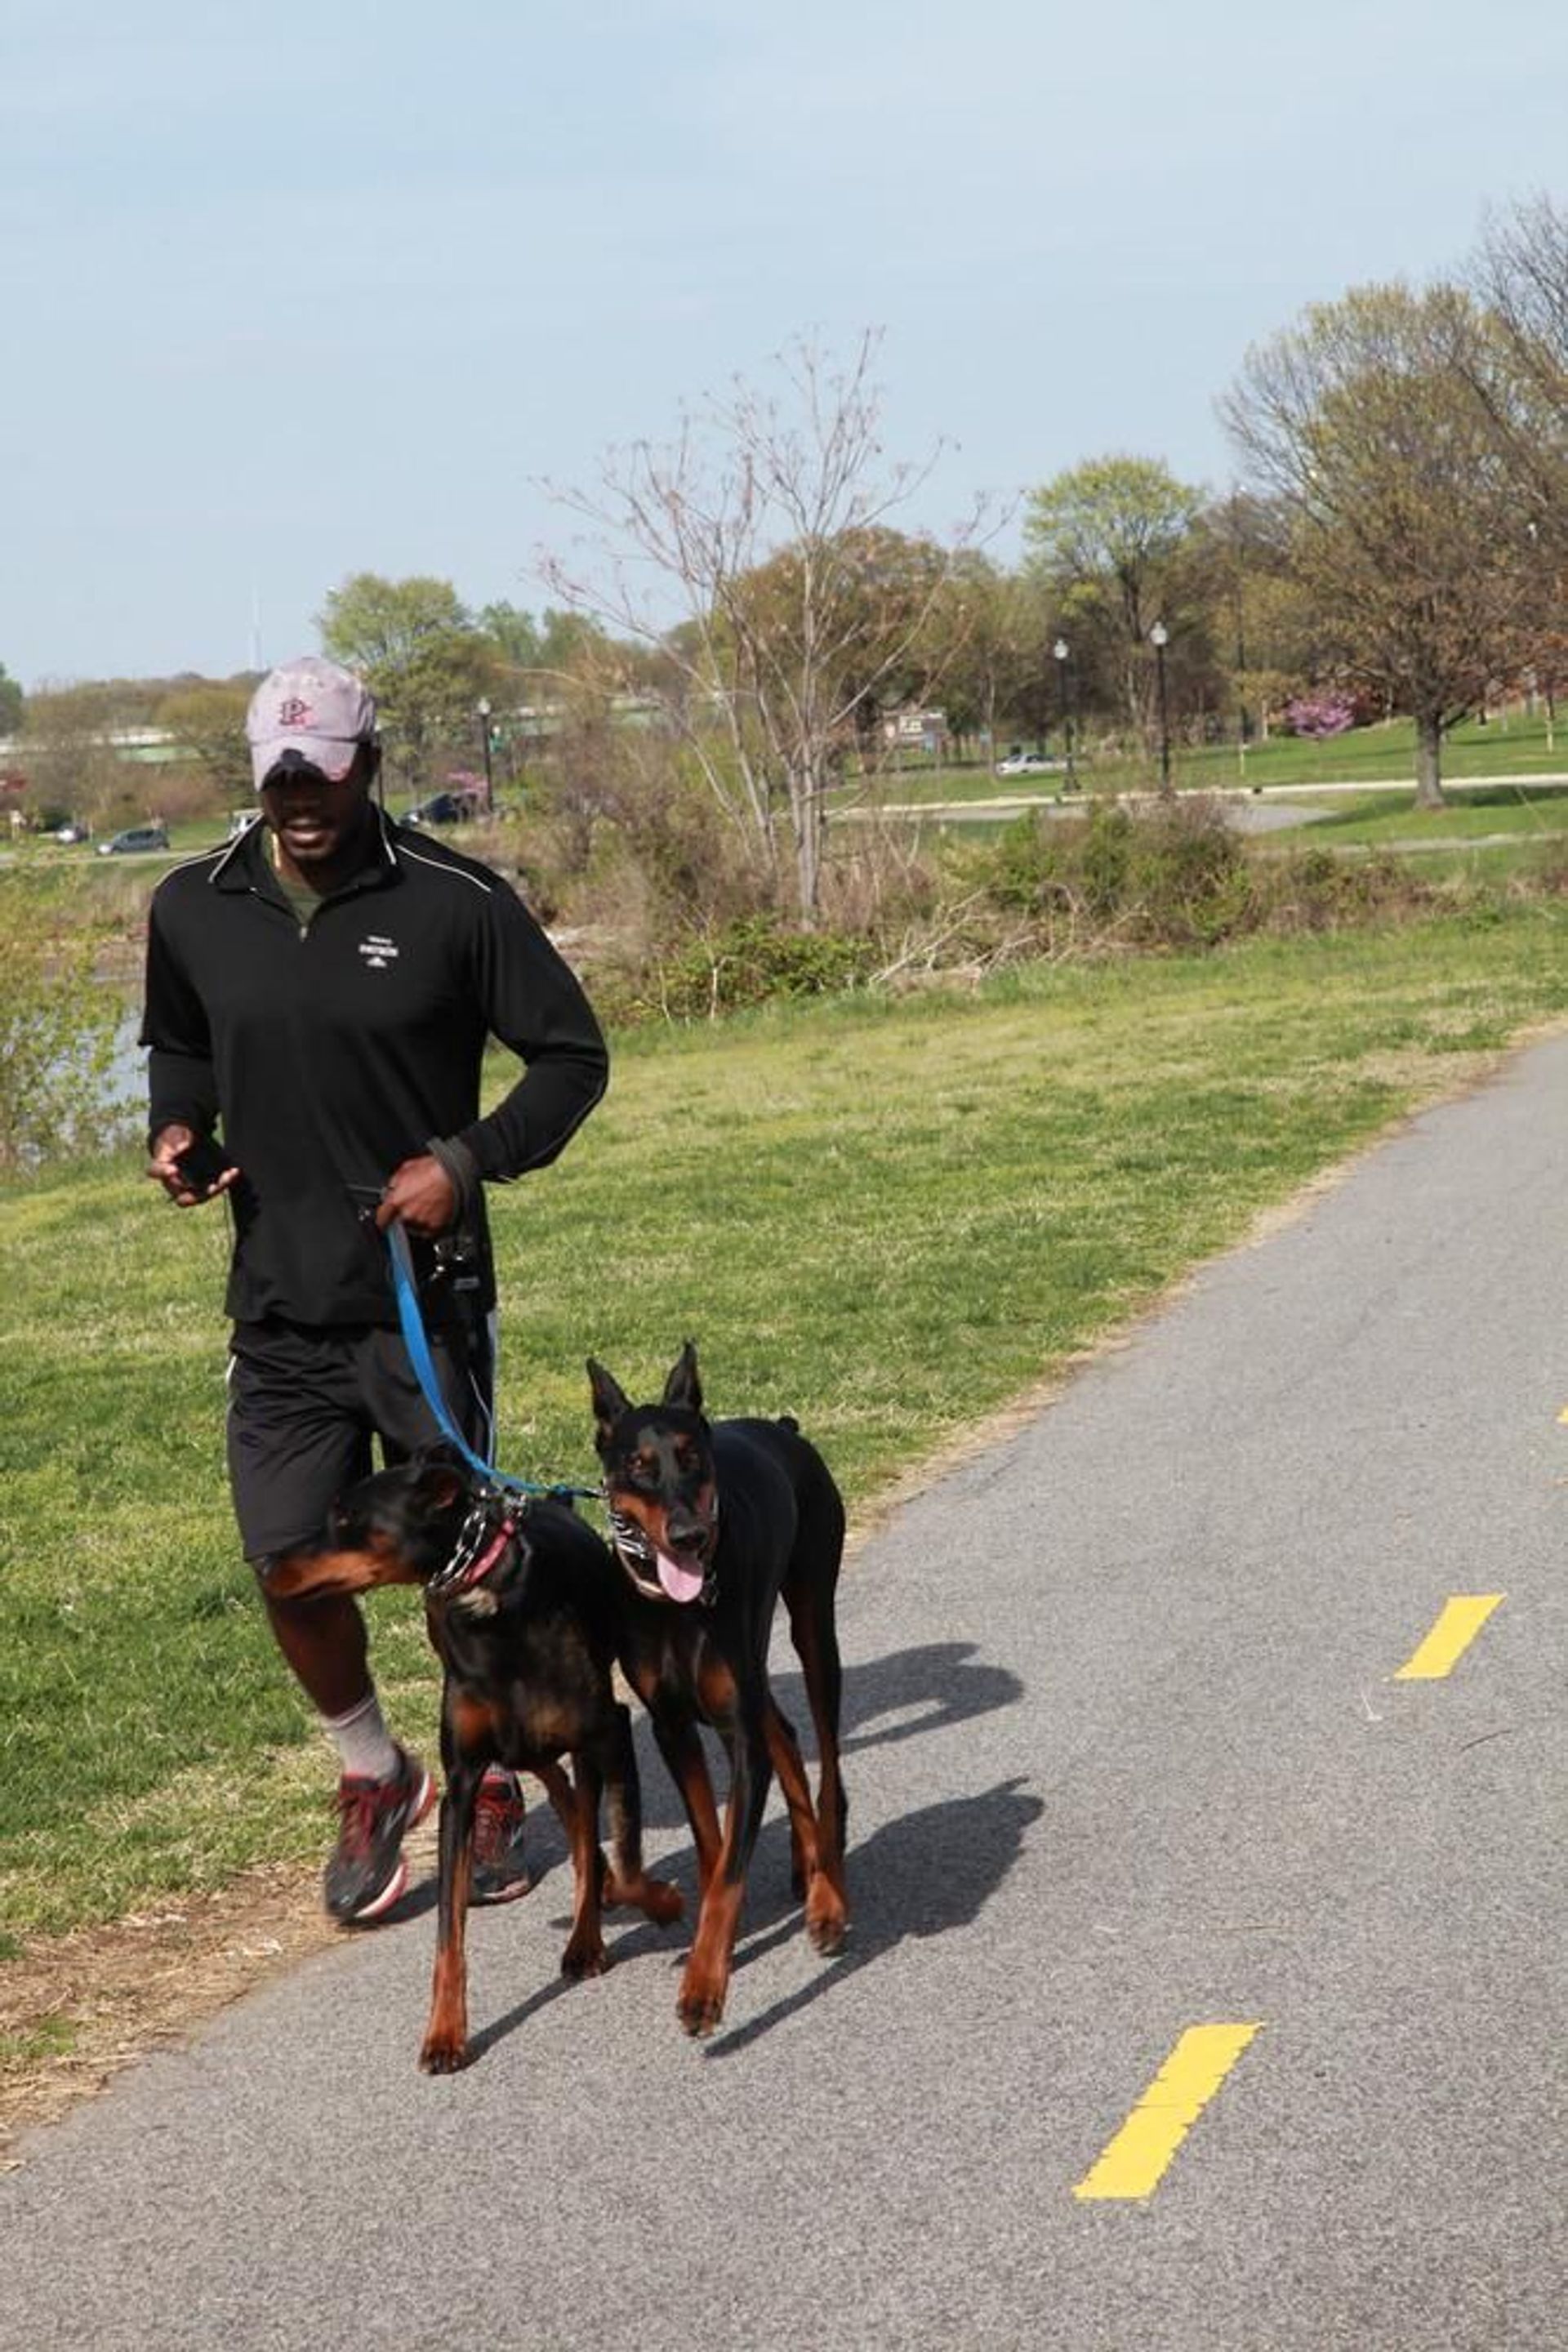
(610, 1400)
(443, 1478)
(440, 1473)
(683, 1387)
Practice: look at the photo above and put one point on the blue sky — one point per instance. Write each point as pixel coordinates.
(301, 291)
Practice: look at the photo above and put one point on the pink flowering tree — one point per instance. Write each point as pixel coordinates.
(1319, 716)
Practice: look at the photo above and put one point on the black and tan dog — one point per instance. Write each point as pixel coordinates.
(711, 1522)
(524, 1604)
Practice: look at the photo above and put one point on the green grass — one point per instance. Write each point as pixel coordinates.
(888, 1217)
(1379, 754)
(1474, 812)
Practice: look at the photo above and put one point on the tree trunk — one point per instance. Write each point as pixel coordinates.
(1429, 763)
(809, 819)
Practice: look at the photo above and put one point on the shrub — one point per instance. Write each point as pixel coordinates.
(1172, 875)
(1315, 889)
(752, 960)
(59, 1042)
(1187, 882)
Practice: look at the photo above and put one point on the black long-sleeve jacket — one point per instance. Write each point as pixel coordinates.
(328, 1055)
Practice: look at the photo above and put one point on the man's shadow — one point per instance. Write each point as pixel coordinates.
(920, 1875)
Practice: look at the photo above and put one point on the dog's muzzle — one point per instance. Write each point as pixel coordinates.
(640, 1557)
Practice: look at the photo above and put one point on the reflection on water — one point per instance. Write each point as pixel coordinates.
(126, 1084)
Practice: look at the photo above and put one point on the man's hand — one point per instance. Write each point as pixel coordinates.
(419, 1194)
(188, 1190)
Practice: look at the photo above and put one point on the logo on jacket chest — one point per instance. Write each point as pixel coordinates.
(377, 950)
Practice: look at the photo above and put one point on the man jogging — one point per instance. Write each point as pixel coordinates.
(320, 994)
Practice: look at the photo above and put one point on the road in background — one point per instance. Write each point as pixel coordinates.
(1206, 1984)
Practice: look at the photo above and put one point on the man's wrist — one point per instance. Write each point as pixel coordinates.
(459, 1167)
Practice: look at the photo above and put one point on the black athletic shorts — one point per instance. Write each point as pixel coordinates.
(305, 1404)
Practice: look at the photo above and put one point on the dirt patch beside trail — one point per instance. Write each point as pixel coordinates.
(76, 2008)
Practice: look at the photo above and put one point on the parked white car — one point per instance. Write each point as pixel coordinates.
(1027, 763)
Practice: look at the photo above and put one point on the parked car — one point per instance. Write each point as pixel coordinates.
(136, 837)
(463, 806)
(70, 831)
(441, 808)
(1027, 763)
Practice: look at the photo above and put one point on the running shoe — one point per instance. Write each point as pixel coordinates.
(368, 1871)
(500, 1874)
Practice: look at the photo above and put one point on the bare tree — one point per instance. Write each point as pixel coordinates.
(1406, 529)
(749, 553)
(1522, 276)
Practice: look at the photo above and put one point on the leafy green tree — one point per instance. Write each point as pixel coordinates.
(990, 635)
(70, 756)
(207, 722)
(1115, 542)
(1405, 527)
(514, 635)
(10, 704)
(416, 646)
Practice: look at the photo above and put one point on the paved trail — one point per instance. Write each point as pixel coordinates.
(1127, 1758)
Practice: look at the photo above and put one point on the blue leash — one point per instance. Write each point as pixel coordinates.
(419, 1356)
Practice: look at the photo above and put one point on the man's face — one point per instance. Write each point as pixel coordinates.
(315, 818)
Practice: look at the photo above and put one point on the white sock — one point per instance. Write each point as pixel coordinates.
(365, 1746)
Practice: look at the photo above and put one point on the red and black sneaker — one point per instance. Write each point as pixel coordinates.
(500, 1874)
(367, 1871)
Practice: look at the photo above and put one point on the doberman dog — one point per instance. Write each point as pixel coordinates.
(522, 1601)
(712, 1521)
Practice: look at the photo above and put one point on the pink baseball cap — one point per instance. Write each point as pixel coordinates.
(311, 707)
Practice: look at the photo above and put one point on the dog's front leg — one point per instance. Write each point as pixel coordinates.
(680, 1746)
(445, 2045)
(628, 1883)
(706, 1982)
(585, 1955)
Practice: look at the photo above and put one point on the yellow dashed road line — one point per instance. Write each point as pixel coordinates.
(1135, 2159)
(1458, 1622)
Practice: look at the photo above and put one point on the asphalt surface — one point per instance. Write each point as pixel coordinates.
(1125, 1758)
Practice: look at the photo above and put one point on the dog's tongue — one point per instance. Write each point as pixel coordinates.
(678, 1582)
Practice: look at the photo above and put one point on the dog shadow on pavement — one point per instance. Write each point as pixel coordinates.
(902, 1697)
(922, 1874)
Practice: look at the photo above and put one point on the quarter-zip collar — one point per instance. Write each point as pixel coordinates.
(246, 865)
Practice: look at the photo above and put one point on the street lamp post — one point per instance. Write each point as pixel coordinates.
(1159, 638)
(489, 774)
(1062, 651)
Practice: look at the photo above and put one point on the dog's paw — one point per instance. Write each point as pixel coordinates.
(701, 2008)
(657, 1898)
(442, 2055)
(826, 1936)
(826, 1923)
(584, 1956)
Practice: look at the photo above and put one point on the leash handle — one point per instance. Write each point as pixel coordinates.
(414, 1339)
